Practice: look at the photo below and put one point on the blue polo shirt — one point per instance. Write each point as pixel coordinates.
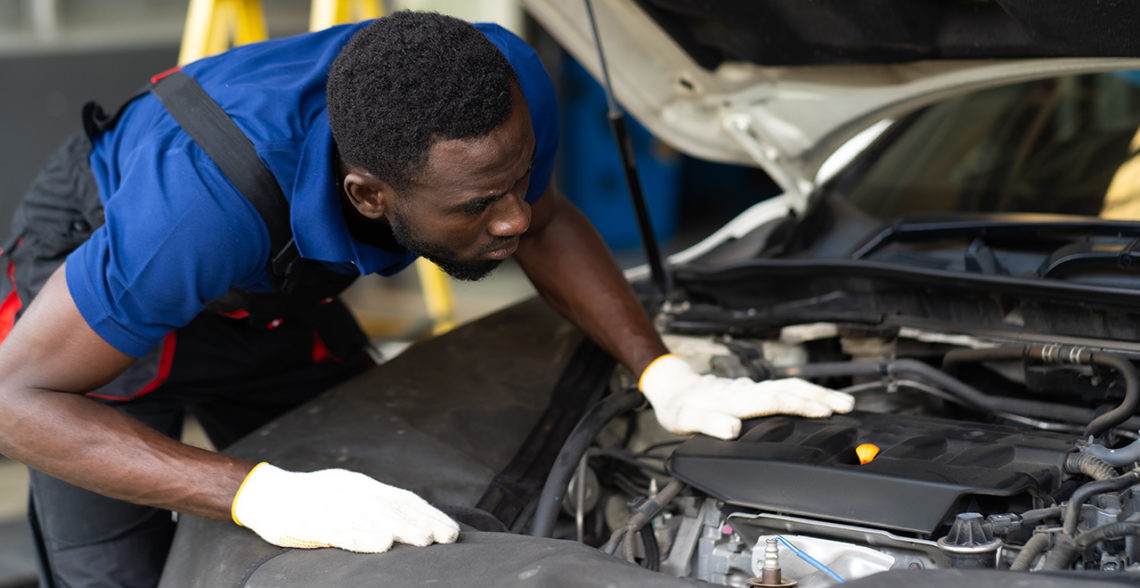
(178, 234)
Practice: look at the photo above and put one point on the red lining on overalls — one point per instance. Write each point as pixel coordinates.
(10, 306)
(162, 74)
(321, 353)
(164, 364)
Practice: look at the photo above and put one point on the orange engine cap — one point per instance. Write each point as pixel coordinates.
(866, 452)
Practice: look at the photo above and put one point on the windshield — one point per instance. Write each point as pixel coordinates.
(1063, 145)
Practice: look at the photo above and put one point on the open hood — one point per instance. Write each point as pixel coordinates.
(783, 84)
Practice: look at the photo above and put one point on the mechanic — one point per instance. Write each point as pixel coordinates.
(154, 269)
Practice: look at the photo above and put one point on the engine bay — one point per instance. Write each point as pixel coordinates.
(963, 451)
(919, 470)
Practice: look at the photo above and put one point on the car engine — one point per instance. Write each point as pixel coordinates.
(962, 452)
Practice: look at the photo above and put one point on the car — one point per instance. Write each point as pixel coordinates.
(957, 245)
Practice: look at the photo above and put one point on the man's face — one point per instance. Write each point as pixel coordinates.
(467, 211)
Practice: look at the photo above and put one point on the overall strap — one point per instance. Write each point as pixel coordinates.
(229, 148)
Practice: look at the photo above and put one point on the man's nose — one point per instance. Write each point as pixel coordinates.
(512, 217)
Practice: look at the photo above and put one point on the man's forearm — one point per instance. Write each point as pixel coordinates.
(48, 360)
(574, 271)
(106, 451)
(572, 268)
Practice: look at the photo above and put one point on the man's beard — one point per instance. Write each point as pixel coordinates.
(407, 238)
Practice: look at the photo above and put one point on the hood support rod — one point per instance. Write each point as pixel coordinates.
(658, 272)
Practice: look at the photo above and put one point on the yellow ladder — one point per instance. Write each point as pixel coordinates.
(212, 26)
(326, 13)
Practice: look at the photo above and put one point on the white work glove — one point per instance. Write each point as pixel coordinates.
(687, 402)
(335, 508)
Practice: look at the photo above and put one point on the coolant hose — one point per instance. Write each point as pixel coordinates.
(1118, 457)
(572, 451)
(1037, 515)
(967, 394)
(978, 398)
(1082, 494)
(1003, 353)
(1062, 556)
(1131, 400)
(1110, 531)
(1064, 354)
(1032, 549)
(1089, 465)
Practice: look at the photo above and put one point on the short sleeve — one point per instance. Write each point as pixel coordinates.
(177, 235)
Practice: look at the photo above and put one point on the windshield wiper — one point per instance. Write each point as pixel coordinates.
(1087, 255)
(931, 227)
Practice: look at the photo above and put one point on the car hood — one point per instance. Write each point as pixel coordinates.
(784, 84)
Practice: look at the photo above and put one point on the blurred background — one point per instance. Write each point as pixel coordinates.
(55, 55)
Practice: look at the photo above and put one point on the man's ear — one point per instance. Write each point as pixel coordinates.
(369, 195)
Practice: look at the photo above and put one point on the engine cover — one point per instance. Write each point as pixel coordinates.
(927, 469)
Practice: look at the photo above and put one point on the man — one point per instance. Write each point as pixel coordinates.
(151, 273)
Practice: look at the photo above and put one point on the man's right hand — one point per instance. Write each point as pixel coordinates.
(687, 402)
(336, 508)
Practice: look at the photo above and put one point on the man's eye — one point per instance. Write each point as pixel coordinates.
(475, 208)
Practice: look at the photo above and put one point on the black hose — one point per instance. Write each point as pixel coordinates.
(1121, 456)
(1128, 406)
(1089, 465)
(1104, 532)
(967, 394)
(624, 537)
(831, 369)
(651, 550)
(1062, 556)
(979, 399)
(1037, 515)
(629, 458)
(1052, 353)
(1064, 354)
(1082, 494)
(1032, 549)
(959, 356)
(572, 451)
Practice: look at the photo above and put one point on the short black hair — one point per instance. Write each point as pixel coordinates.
(408, 80)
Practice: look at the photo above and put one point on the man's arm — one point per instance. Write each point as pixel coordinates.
(574, 271)
(52, 356)
(47, 362)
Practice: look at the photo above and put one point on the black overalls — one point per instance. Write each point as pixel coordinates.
(244, 361)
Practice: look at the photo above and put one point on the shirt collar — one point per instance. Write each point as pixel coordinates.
(315, 213)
